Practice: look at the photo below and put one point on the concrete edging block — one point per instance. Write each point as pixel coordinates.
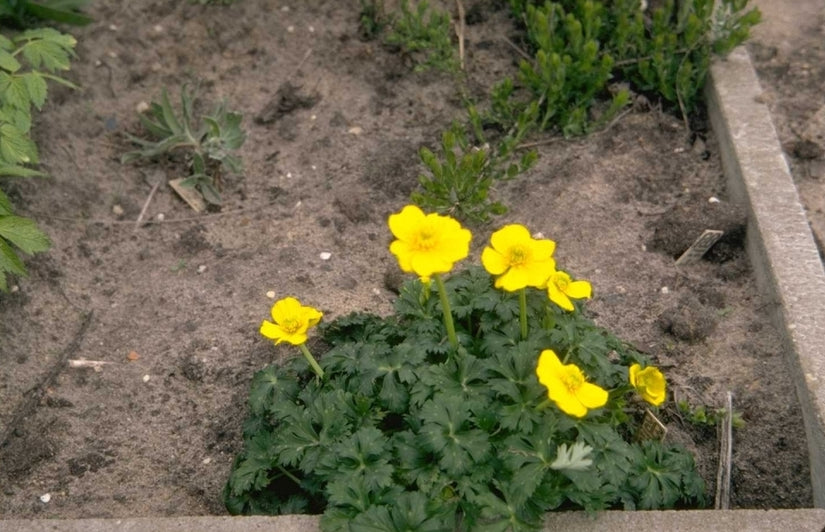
(784, 256)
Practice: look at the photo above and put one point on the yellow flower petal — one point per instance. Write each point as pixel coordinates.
(558, 297)
(271, 331)
(493, 261)
(592, 396)
(579, 290)
(509, 235)
(403, 225)
(543, 247)
(515, 279)
(285, 308)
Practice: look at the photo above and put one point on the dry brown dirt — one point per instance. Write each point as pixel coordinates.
(173, 306)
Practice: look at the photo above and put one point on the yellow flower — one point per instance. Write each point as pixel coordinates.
(427, 244)
(518, 259)
(292, 321)
(561, 289)
(649, 382)
(567, 387)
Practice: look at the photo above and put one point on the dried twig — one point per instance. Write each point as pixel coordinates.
(722, 501)
(146, 205)
(516, 47)
(459, 31)
(33, 395)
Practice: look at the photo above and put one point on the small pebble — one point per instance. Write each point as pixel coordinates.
(355, 130)
(206, 461)
(325, 255)
(117, 210)
(202, 268)
(376, 291)
(142, 107)
(538, 236)
(311, 29)
(271, 294)
(112, 27)
(314, 167)
(161, 217)
(112, 54)
(313, 117)
(14, 289)
(290, 29)
(665, 290)
(157, 28)
(713, 199)
(146, 378)
(46, 497)
(285, 9)
(289, 175)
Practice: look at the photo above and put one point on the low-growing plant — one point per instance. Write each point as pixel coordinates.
(484, 401)
(703, 416)
(582, 45)
(424, 34)
(207, 144)
(26, 13)
(371, 19)
(28, 61)
(462, 174)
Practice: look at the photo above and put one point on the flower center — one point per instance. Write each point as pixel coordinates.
(561, 281)
(426, 240)
(572, 379)
(518, 255)
(291, 325)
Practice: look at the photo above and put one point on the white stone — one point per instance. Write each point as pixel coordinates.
(325, 255)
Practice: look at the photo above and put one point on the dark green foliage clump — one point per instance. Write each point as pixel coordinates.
(403, 433)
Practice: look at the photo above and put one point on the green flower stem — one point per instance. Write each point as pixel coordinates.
(312, 362)
(448, 315)
(522, 318)
(289, 475)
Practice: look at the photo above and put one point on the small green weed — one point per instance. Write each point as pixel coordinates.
(424, 34)
(371, 20)
(27, 62)
(25, 13)
(703, 416)
(207, 145)
(461, 175)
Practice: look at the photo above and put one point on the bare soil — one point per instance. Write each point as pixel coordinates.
(173, 306)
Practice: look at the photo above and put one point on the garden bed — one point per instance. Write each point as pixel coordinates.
(173, 306)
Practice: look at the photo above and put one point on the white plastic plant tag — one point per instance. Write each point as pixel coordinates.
(701, 246)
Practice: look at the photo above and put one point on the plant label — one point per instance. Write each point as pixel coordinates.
(701, 246)
(651, 429)
(189, 194)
